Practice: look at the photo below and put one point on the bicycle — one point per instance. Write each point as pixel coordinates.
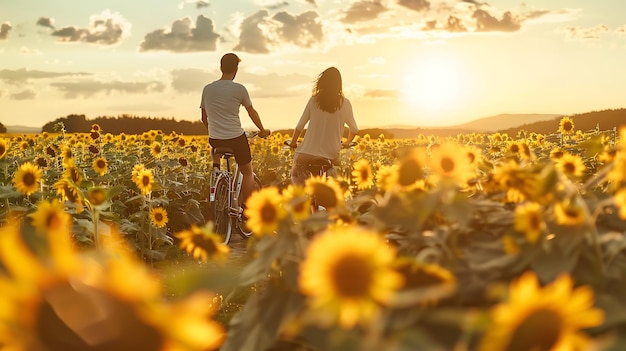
(319, 166)
(224, 195)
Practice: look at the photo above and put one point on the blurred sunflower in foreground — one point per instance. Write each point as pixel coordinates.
(104, 302)
(203, 243)
(548, 318)
(348, 273)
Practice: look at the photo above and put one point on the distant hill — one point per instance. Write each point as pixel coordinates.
(23, 129)
(604, 120)
(504, 121)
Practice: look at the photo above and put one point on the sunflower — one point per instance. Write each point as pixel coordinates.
(566, 126)
(571, 165)
(347, 273)
(158, 217)
(156, 150)
(27, 178)
(67, 154)
(569, 214)
(264, 211)
(4, 148)
(72, 172)
(385, 177)
(297, 202)
(362, 174)
(100, 165)
(529, 220)
(325, 191)
(620, 202)
(55, 308)
(424, 283)
(450, 164)
(145, 181)
(410, 170)
(69, 192)
(203, 243)
(97, 196)
(549, 318)
(50, 217)
(136, 170)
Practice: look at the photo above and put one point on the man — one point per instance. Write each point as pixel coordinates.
(220, 104)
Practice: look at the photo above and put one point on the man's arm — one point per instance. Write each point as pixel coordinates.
(205, 120)
(254, 116)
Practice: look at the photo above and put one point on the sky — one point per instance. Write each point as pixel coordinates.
(423, 63)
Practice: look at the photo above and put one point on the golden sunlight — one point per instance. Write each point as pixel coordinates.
(434, 86)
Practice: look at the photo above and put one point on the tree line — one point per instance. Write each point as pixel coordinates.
(128, 124)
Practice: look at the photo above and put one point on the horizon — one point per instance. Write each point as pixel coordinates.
(404, 62)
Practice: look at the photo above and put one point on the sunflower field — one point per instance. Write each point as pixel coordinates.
(474, 242)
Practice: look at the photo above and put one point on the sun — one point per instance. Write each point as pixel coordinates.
(434, 86)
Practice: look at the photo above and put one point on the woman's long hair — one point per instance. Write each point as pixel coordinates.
(328, 90)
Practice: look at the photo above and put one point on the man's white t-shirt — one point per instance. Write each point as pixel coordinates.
(221, 100)
(323, 135)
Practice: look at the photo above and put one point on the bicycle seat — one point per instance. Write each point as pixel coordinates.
(319, 164)
(224, 150)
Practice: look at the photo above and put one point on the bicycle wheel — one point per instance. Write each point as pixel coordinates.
(241, 224)
(221, 217)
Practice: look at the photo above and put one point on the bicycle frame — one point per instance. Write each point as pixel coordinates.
(229, 214)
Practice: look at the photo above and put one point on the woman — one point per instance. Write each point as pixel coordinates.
(326, 113)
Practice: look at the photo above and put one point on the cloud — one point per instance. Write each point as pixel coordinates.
(200, 4)
(303, 30)
(578, 33)
(382, 94)
(261, 33)
(272, 4)
(87, 89)
(621, 30)
(485, 22)
(105, 29)
(183, 36)
(363, 10)
(452, 24)
(27, 94)
(416, 5)
(5, 28)
(253, 37)
(46, 22)
(23, 75)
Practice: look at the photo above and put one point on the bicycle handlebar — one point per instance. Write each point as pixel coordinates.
(351, 145)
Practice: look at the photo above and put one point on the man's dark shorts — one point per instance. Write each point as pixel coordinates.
(239, 144)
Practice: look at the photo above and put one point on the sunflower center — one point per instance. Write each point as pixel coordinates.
(422, 279)
(534, 222)
(447, 164)
(364, 174)
(539, 331)
(29, 179)
(569, 168)
(101, 164)
(352, 276)
(53, 221)
(145, 180)
(3, 149)
(567, 126)
(158, 217)
(325, 196)
(207, 244)
(268, 213)
(410, 172)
